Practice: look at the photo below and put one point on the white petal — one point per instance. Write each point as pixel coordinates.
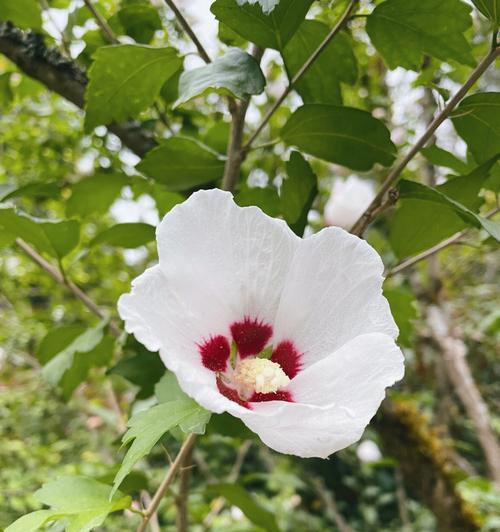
(333, 293)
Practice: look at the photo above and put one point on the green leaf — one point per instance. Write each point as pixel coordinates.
(128, 235)
(245, 501)
(140, 20)
(268, 31)
(404, 31)
(22, 13)
(124, 80)
(34, 190)
(336, 64)
(229, 426)
(266, 199)
(298, 192)
(341, 135)
(266, 5)
(6, 94)
(417, 225)
(83, 503)
(56, 340)
(404, 309)
(477, 121)
(440, 157)
(95, 194)
(182, 164)
(236, 73)
(490, 9)
(54, 238)
(147, 427)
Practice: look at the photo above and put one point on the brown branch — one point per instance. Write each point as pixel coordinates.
(165, 485)
(181, 501)
(101, 22)
(454, 353)
(64, 77)
(373, 209)
(187, 28)
(344, 19)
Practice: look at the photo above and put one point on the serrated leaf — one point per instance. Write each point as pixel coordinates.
(22, 13)
(336, 64)
(342, 135)
(490, 9)
(127, 235)
(182, 164)
(404, 31)
(266, 199)
(83, 503)
(240, 497)
(266, 5)
(236, 73)
(268, 31)
(124, 80)
(95, 194)
(477, 121)
(298, 192)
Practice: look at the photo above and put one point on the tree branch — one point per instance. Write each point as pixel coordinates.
(64, 77)
(373, 209)
(303, 69)
(101, 21)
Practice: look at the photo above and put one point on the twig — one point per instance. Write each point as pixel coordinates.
(454, 353)
(408, 263)
(187, 28)
(182, 499)
(330, 504)
(402, 500)
(303, 69)
(164, 486)
(64, 40)
(367, 217)
(101, 22)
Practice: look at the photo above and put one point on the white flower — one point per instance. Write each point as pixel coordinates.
(234, 285)
(368, 452)
(348, 201)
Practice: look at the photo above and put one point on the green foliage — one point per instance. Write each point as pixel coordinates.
(23, 13)
(236, 73)
(266, 5)
(125, 79)
(138, 19)
(266, 199)
(404, 309)
(490, 9)
(403, 31)
(127, 235)
(342, 135)
(83, 503)
(440, 157)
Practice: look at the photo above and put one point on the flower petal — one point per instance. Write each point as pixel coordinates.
(333, 293)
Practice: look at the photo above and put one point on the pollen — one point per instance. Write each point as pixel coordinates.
(259, 375)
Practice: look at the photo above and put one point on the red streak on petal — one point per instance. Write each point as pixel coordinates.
(231, 393)
(250, 336)
(215, 353)
(282, 395)
(286, 355)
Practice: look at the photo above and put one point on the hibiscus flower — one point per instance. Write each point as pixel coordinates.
(293, 336)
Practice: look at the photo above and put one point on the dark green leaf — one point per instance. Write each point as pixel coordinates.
(477, 121)
(22, 13)
(181, 164)
(269, 31)
(56, 340)
(266, 5)
(490, 9)
(404, 309)
(440, 157)
(337, 63)
(341, 135)
(245, 501)
(125, 79)
(64, 236)
(227, 425)
(298, 192)
(404, 31)
(265, 198)
(34, 190)
(140, 20)
(128, 235)
(6, 94)
(236, 73)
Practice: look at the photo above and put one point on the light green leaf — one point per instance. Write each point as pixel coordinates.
(440, 157)
(245, 501)
(83, 503)
(404, 309)
(34, 190)
(22, 13)
(490, 9)
(404, 31)
(336, 64)
(298, 192)
(56, 340)
(266, 199)
(139, 19)
(95, 194)
(182, 164)
(268, 31)
(266, 5)
(128, 235)
(341, 135)
(124, 80)
(477, 121)
(236, 73)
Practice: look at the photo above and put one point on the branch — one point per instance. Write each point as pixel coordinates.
(187, 28)
(303, 69)
(454, 352)
(373, 209)
(181, 500)
(101, 22)
(64, 77)
(164, 486)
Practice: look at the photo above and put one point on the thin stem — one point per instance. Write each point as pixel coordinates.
(303, 69)
(367, 217)
(169, 477)
(187, 28)
(408, 263)
(101, 22)
(181, 502)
